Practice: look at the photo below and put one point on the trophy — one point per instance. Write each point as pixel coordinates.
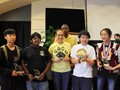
(17, 67)
(36, 74)
(81, 54)
(105, 62)
(61, 55)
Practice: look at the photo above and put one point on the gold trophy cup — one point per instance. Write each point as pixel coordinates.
(36, 74)
(17, 67)
(81, 54)
(105, 62)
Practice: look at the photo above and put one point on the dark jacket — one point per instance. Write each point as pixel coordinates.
(8, 82)
(112, 62)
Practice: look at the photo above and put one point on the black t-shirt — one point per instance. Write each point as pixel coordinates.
(11, 60)
(36, 58)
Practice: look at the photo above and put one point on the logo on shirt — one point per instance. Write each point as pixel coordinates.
(42, 53)
(60, 52)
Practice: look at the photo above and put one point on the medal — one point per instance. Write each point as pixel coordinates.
(106, 54)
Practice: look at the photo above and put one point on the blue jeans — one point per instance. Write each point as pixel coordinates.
(81, 83)
(61, 80)
(37, 85)
(110, 82)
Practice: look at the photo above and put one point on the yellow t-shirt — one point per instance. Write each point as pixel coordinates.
(71, 40)
(54, 50)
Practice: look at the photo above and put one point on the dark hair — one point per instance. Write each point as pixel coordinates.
(35, 34)
(117, 34)
(83, 32)
(107, 30)
(65, 26)
(9, 31)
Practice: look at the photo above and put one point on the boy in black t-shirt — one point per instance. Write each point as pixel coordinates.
(36, 63)
(10, 59)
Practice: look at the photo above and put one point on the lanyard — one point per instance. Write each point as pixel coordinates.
(106, 50)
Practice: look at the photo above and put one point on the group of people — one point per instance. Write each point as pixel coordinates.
(23, 69)
(68, 60)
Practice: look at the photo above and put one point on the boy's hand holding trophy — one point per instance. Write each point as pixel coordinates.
(36, 74)
(19, 70)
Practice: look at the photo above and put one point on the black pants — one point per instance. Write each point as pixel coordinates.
(13, 83)
(81, 83)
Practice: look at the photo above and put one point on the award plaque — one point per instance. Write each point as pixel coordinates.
(17, 67)
(36, 74)
(61, 55)
(81, 54)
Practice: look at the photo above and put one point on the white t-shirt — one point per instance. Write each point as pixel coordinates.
(83, 69)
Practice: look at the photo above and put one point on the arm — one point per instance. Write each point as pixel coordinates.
(99, 64)
(90, 62)
(4, 70)
(113, 68)
(42, 75)
(91, 58)
(47, 67)
(55, 60)
(30, 76)
(117, 66)
(67, 59)
(24, 67)
(74, 61)
(51, 53)
(23, 61)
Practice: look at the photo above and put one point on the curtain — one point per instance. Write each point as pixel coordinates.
(73, 17)
(23, 31)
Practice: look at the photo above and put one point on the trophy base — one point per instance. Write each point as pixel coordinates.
(36, 77)
(106, 65)
(19, 72)
(61, 58)
(81, 59)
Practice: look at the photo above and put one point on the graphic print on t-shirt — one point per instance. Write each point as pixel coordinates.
(60, 52)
